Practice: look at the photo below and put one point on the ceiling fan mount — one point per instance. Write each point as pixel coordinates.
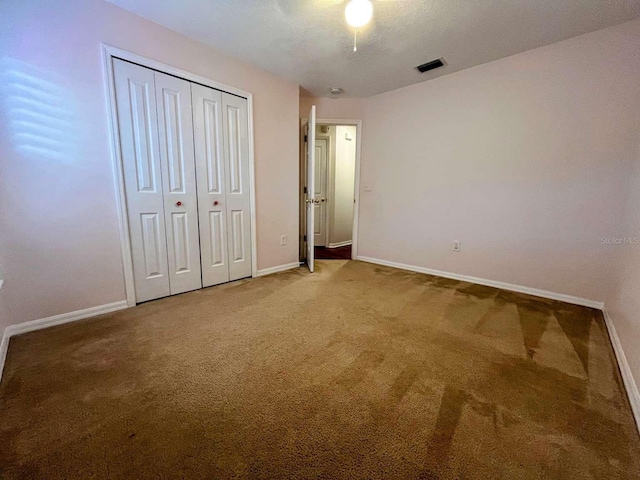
(357, 13)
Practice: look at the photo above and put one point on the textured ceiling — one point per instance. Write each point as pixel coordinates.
(308, 41)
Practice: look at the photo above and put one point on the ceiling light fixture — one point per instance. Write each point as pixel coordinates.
(358, 13)
(336, 91)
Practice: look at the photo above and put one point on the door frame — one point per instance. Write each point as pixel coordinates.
(108, 53)
(356, 187)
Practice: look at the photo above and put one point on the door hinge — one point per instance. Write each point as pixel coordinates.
(305, 189)
(305, 139)
(305, 238)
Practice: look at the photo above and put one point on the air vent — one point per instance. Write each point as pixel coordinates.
(425, 67)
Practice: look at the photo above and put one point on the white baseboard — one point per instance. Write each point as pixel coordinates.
(4, 347)
(41, 323)
(279, 268)
(627, 377)
(340, 244)
(489, 283)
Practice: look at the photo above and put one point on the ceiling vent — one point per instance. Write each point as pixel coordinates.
(425, 67)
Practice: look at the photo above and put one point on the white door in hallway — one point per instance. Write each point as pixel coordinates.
(175, 127)
(140, 150)
(311, 200)
(320, 192)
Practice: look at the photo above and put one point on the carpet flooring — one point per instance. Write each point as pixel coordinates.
(356, 371)
(339, 253)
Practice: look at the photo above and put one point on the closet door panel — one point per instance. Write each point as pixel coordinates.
(175, 125)
(217, 256)
(237, 235)
(137, 122)
(152, 241)
(210, 168)
(236, 147)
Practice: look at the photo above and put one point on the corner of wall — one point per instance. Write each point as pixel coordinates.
(625, 370)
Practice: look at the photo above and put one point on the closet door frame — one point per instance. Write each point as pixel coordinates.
(108, 54)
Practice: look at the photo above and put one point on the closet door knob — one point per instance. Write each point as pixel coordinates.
(215, 204)
(178, 204)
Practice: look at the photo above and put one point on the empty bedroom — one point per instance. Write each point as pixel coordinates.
(305, 239)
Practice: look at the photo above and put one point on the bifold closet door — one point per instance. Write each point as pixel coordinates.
(210, 165)
(175, 126)
(137, 122)
(156, 135)
(235, 128)
(222, 160)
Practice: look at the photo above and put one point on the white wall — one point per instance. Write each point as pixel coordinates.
(522, 159)
(623, 302)
(333, 108)
(343, 178)
(58, 211)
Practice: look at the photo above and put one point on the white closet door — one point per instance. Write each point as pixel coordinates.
(210, 168)
(175, 126)
(235, 126)
(137, 121)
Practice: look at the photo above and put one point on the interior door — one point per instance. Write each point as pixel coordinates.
(210, 168)
(175, 128)
(235, 132)
(311, 171)
(320, 192)
(137, 122)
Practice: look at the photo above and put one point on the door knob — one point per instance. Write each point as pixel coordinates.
(178, 204)
(215, 204)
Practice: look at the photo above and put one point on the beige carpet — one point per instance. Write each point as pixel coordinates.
(357, 371)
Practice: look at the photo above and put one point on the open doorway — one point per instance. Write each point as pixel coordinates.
(335, 190)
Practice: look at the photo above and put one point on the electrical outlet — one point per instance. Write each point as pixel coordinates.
(455, 246)
(283, 239)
